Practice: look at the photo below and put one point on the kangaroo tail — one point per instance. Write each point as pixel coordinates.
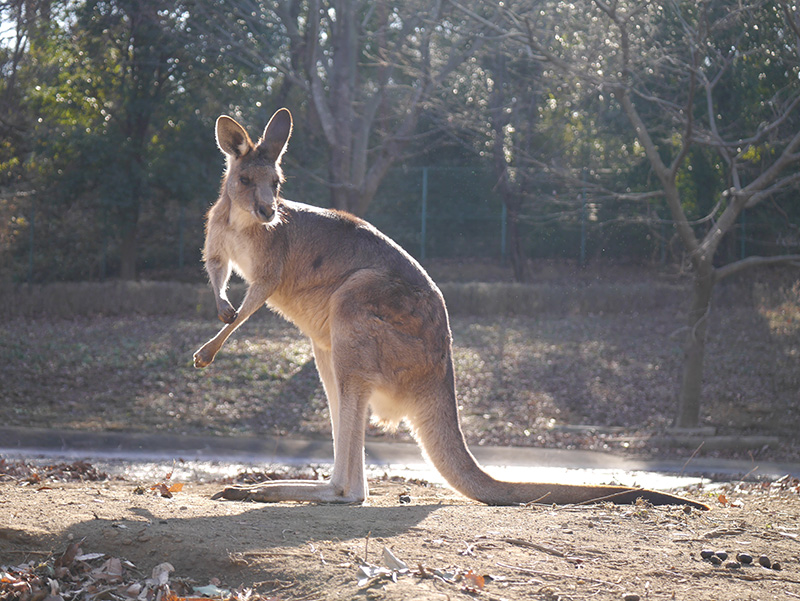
(439, 434)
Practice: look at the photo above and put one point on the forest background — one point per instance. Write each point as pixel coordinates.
(665, 134)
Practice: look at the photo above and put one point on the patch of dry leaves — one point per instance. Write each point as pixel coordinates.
(76, 575)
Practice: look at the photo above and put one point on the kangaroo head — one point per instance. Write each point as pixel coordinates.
(253, 178)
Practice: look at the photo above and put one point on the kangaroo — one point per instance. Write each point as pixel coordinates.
(377, 323)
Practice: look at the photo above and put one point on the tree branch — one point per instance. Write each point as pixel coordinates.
(778, 186)
(750, 262)
(768, 176)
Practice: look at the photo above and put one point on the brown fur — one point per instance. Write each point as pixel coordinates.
(377, 323)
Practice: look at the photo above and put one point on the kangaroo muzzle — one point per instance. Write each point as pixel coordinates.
(263, 211)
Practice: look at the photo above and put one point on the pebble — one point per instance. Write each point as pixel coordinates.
(742, 559)
(631, 597)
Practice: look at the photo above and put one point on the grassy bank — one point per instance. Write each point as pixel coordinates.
(71, 300)
(520, 378)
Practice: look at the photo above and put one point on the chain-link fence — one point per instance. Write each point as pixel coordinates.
(432, 212)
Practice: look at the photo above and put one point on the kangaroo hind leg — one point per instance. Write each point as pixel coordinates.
(348, 482)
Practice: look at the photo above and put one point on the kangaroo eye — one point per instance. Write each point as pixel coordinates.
(275, 183)
(244, 180)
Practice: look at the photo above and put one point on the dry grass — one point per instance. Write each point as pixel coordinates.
(69, 300)
(519, 377)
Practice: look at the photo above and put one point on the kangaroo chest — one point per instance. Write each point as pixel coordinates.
(243, 253)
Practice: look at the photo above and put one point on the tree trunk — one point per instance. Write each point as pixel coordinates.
(515, 254)
(694, 348)
(128, 252)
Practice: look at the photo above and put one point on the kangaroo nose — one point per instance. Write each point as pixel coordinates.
(263, 211)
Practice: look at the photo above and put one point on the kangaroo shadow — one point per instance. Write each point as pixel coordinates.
(234, 541)
(302, 399)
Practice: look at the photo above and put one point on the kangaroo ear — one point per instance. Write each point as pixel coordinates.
(232, 139)
(276, 135)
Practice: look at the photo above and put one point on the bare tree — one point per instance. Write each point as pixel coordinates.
(366, 67)
(684, 74)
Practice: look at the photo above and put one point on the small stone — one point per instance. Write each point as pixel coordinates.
(776, 565)
(764, 561)
(706, 553)
(733, 565)
(405, 499)
(631, 597)
(715, 560)
(722, 555)
(744, 558)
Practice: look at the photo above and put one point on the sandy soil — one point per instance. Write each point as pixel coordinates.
(453, 548)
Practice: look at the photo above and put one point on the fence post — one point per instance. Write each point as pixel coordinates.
(104, 252)
(424, 225)
(743, 249)
(503, 231)
(32, 240)
(583, 222)
(180, 235)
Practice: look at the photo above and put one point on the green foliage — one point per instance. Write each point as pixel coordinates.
(107, 158)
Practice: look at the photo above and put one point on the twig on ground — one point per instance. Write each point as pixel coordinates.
(524, 543)
(554, 575)
(696, 451)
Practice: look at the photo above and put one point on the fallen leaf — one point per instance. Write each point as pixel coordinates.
(160, 573)
(66, 559)
(366, 573)
(89, 556)
(133, 590)
(110, 571)
(211, 590)
(392, 562)
(474, 582)
(162, 489)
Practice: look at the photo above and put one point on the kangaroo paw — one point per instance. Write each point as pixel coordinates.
(203, 357)
(226, 312)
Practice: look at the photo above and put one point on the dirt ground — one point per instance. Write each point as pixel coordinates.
(442, 546)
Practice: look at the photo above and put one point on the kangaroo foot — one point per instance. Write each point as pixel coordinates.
(289, 490)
